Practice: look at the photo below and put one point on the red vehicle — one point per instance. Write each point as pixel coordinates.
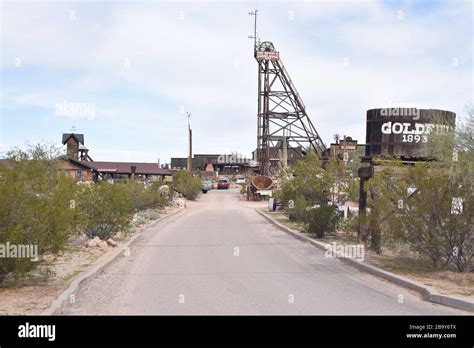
(223, 184)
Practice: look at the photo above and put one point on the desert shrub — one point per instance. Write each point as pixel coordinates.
(166, 192)
(306, 185)
(142, 198)
(321, 220)
(429, 207)
(37, 208)
(145, 216)
(105, 209)
(305, 179)
(190, 187)
(150, 215)
(349, 224)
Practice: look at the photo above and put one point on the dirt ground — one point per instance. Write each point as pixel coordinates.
(33, 295)
(403, 262)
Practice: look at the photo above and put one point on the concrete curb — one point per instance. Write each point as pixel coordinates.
(59, 302)
(427, 292)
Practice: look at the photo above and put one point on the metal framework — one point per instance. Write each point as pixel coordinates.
(281, 111)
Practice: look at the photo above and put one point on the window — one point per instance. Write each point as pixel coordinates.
(79, 175)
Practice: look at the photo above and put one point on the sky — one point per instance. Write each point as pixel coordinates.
(125, 74)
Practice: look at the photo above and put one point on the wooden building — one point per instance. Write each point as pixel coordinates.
(80, 166)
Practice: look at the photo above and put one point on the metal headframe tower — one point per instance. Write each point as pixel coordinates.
(281, 111)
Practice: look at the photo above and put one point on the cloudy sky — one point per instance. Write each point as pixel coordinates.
(136, 68)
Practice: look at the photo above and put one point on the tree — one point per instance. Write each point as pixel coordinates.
(465, 133)
(38, 152)
(338, 179)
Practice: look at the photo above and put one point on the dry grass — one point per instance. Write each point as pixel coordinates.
(422, 270)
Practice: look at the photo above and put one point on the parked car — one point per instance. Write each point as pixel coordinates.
(240, 179)
(223, 183)
(206, 186)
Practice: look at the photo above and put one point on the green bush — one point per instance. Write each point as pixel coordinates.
(321, 220)
(105, 209)
(143, 198)
(42, 207)
(349, 224)
(37, 207)
(305, 185)
(190, 187)
(428, 220)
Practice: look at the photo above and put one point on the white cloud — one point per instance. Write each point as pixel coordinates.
(148, 51)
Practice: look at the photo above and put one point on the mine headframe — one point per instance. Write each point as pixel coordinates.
(281, 112)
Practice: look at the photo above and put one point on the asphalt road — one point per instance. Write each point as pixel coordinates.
(219, 256)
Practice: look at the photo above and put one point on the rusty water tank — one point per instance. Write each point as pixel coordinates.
(404, 132)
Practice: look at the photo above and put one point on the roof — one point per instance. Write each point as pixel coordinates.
(78, 137)
(125, 167)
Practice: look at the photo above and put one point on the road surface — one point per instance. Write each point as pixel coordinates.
(219, 256)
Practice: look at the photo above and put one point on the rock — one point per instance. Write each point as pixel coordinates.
(96, 242)
(48, 257)
(111, 242)
(91, 243)
(103, 244)
(179, 202)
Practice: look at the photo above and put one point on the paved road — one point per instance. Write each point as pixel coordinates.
(220, 257)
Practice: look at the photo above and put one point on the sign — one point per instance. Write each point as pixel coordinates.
(414, 132)
(267, 55)
(265, 192)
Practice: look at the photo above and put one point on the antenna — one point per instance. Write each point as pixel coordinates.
(73, 128)
(254, 37)
(189, 116)
(190, 155)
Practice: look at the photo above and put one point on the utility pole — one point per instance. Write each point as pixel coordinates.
(190, 155)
